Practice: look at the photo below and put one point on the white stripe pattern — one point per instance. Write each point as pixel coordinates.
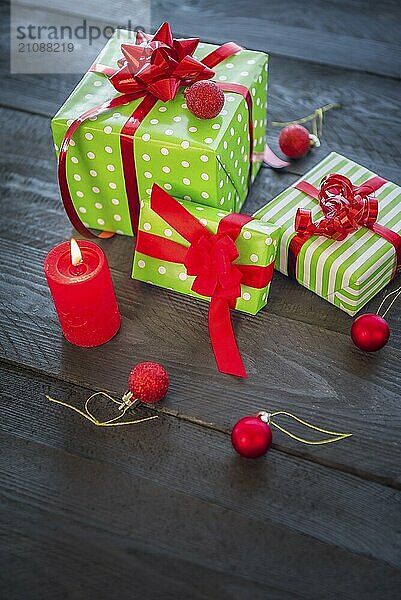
(367, 248)
(380, 243)
(361, 300)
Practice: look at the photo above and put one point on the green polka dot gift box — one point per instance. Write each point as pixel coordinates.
(256, 245)
(115, 137)
(341, 231)
(226, 258)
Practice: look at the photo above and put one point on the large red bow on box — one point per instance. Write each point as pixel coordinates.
(346, 208)
(159, 65)
(210, 258)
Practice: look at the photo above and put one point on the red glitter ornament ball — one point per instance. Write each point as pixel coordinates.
(294, 141)
(251, 437)
(148, 382)
(370, 332)
(204, 99)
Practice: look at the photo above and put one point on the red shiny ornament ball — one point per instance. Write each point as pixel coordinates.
(251, 437)
(204, 99)
(294, 141)
(370, 332)
(148, 382)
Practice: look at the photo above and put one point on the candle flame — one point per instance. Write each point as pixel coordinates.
(76, 256)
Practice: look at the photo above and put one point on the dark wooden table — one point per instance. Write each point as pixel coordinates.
(166, 509)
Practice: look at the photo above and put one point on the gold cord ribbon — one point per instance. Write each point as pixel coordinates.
(396, 293)
(316, 117)
(337, 435)
(266, 417)
(87, 414)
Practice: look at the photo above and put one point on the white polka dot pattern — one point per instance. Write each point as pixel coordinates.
(202, 160)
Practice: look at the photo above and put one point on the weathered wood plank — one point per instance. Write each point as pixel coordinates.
(65, 482)
(307, 39)
(116, 14)
(129, 484)
(339, 34)
(92, 531)
(312, 372)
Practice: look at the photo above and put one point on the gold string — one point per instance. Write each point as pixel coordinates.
(397, 293)
(337, 434)
(316, 117)
(87, 414)
(317, 114)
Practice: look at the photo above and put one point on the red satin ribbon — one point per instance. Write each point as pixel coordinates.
(210, 258)
(127, 155)
(153, 68)
(62, 172)
(237, 88)
(346, 208)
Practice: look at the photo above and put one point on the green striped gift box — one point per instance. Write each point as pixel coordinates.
(347, 273)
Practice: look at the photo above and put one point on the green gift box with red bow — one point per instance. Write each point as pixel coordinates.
(126, 126)
(225, 258)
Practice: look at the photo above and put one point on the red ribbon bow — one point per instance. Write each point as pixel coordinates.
(346, 207)
(159, 65)
(211, 259)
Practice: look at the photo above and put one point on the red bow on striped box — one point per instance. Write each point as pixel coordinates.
(346, 208)
(341, 231)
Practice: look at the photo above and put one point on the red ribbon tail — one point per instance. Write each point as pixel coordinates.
(224, 345)
(303, 219)
(296, 243)
(63, 182)
(237, 88)
(127, 138)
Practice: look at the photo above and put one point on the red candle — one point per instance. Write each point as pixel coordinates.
(80, 282)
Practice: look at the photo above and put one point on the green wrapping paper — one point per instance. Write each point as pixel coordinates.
(350, 272)
(256, 245)
(206, 161)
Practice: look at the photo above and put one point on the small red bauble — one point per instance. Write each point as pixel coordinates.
(148, 382)
(251, 437)
(294, 141)
(204, 99)
(370, 332)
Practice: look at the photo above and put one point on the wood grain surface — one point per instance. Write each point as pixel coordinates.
(165, 509)
(127, 491)
(355, 35)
